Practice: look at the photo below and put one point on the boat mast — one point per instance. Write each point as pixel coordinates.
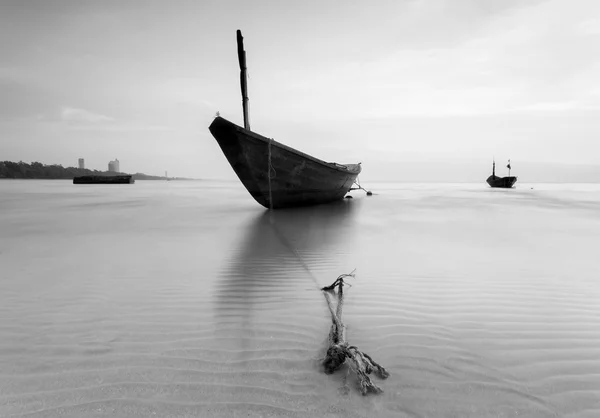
(494, 168)
(243, 80)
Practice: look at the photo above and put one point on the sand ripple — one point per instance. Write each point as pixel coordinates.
(170, 305)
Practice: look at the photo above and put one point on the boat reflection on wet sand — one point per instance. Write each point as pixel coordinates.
(269, 314)
(278, 257)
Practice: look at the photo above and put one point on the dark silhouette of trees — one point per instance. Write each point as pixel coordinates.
(37, 170)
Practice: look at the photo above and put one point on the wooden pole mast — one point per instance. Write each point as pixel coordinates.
(243, 77)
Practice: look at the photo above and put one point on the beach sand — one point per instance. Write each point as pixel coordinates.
(188, 299)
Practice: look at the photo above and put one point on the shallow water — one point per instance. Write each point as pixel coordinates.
(189, 299)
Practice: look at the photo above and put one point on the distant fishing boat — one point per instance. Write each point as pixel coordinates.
(124, 179)
(502, 182)
(275, 175)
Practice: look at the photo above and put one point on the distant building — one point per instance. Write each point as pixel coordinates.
(114, 166)
(81, 163)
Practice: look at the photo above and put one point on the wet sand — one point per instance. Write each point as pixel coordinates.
(189, 299)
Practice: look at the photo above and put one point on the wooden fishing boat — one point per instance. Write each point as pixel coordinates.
(501, 182)
(276, 175)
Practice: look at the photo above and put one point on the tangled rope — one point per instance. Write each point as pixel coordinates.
(339, 350)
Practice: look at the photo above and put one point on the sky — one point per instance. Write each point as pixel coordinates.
(416, 90)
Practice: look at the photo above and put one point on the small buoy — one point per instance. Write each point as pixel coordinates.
(348, 197)
(369, 194)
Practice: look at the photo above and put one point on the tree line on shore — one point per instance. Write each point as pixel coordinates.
(37, 170)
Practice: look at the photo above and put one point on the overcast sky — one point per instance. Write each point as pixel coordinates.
(389, 83)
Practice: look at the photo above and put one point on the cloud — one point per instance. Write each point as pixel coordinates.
(84, 120)
(123, 128)
(74, 115)
(531, 57)
(557, 106)
(183, 90)
(590, 26)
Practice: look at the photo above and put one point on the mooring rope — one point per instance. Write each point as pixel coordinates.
(359, 187)
(271, 173)
(339, 350)
(269, 169)
(285, 242)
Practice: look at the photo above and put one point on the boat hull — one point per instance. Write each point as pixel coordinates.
(297, 179)
(103, 180)
(501, 182)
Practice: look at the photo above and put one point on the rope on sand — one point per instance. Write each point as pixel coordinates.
(339, 350)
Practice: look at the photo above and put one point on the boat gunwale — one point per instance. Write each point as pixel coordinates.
(336, 166)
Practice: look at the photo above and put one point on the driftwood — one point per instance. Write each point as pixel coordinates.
(339, 350)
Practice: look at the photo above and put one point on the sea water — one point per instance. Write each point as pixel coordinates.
(188, 299)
